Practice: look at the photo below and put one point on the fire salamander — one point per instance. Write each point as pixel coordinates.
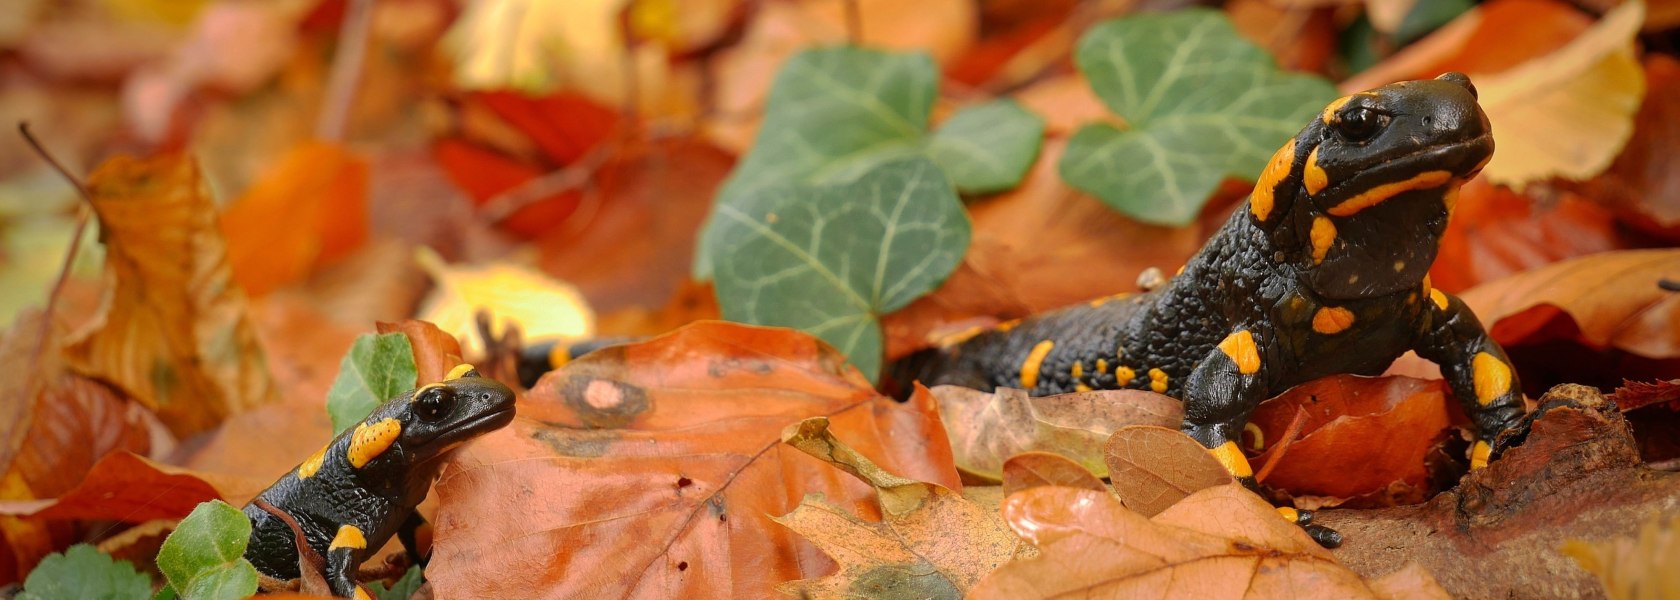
(362, 487)
(1324, 271)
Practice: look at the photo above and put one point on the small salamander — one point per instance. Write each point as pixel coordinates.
(352, 495)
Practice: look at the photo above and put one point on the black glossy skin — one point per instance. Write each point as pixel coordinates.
(378, 498)
(1258, 274)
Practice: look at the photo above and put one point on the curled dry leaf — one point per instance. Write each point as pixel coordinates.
(1602, 301)
(435, 352)
(987, 428)
(651, 470)
(1221, 542)
(1153, 468)
(1634, 567)
(540, 305)
(1364, 437)
(1497, 232)
(175, 334)
(1034, 469)
(1639, 394)
(128, 488)
(931, 542)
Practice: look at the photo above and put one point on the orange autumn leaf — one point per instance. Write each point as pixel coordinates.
(435, 351)
(128, 488)
(1336, 454)
(1220, 542)
(308, 210)
(1153, 468)
(653, 470)
(174, 334)
(930, 542)
(1496, 232)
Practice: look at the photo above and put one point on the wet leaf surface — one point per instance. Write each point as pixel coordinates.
(987, 429)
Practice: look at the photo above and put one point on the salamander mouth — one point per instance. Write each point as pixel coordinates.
(471, 428)
(1461, 160)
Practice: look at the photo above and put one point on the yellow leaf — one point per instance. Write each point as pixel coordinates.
(541, 306)
(1568, 113)
(175, 333)
(1635, 568)
(538, 46)
(173, 12)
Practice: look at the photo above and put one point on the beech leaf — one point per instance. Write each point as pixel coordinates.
(1202, 103)
(1153, 468)
(988, 428)
(930, 543)
(1033, 469)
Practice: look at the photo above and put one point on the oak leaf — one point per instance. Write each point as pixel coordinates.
(931, 542)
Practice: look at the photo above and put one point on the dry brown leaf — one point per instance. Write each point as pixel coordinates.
(1153, 468)
(1497, 232)
(174, 334)
(435, 352)
(1608, 300)
(1646, 567)
(1034, 469)
(511, 293)
(930, 543)
(1568, 113)
(652, 470)
(987, 428)
(1221, 542)
(1643, 185)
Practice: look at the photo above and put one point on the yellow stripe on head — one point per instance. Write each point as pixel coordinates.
(1376, 195)
(1329, 115)
(1313, 176)
(369, 441)
(1035, 359)
(458, 372)
(1260, 202)
(1231, 457)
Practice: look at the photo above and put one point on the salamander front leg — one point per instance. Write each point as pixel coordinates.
(1475, 367)
(343, 556)
(1218, 398)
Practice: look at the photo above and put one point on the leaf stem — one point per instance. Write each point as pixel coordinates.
(69, 256)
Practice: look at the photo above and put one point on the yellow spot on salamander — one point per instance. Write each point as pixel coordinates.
(1102, 366)
(349, 536)
(1323, 234)
(1109, 298)
(1329, 115)
(1123, 376)
(460, 371)
(369, 441)
(1376, 195)
(1008, 325)
(1158, 381)
(1240, 347)
(559, 356)
(1035, 359)
(1289, 514)
(1411, 298)
(1313, 176)
(1259, 436)
(1492, 378)
(1260, 202)
(1230, 457)
(1479, 455)
(1450, 198)
(1080, 387)
(1077, 370)
(1439, 298)
(312, 464)
(1332, 320)
(952, 339)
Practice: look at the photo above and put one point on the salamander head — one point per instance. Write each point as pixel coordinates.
(421, 425)
(1372, 183)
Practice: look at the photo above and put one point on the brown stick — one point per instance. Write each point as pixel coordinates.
(69, 256)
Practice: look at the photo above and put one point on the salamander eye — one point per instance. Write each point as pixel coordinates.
(434, 403)
(1360, 124)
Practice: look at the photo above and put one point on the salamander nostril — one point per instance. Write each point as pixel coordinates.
(1428, 121)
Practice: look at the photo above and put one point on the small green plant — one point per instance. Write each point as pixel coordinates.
(377, 368)
(204, 559)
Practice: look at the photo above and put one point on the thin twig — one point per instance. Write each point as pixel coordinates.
(69, 256)
(854, 22)
(346, 70)
(573, 176)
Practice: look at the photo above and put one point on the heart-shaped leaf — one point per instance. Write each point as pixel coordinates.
(377, 368)
(1202, 103)
(987, 147)
(204, 559)
(830, 260)
(83, 572)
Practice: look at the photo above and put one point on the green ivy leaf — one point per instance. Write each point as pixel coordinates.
(204, 558)
(831, 259)
(988, 147)
(1202, 102)
(83, 572)
(835, 113)
(401, 589)
(379, 367)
